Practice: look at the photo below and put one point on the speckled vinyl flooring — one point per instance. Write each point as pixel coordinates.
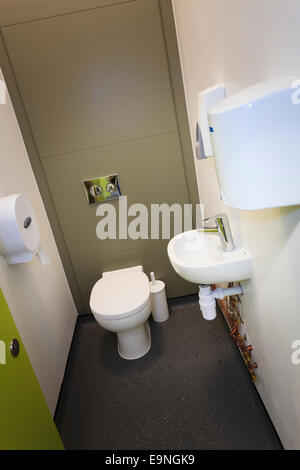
(191, 391)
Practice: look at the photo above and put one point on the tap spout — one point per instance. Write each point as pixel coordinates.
(222, 227)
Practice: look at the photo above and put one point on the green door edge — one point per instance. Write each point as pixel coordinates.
(25, 420)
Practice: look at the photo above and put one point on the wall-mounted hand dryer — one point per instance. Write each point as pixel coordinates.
(256, 145)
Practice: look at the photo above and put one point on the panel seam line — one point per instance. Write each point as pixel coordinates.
(8, 25)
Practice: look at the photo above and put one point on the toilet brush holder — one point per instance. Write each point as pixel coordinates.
(160, 310)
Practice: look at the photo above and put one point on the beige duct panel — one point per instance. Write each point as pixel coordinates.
(19, 11)
(93, 78)
(150, 171)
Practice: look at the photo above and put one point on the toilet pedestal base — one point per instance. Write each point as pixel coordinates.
(134, 343)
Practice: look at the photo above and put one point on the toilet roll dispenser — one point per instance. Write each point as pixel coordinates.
(19, 231)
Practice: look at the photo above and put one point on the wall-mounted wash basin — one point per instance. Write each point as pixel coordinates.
(198, 257)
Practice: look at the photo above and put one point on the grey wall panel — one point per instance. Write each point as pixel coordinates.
(93, 78)
(150, 171)
(18, 11)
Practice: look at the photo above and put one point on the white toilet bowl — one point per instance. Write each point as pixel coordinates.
(120, 302)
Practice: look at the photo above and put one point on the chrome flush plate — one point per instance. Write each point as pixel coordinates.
(102, 188)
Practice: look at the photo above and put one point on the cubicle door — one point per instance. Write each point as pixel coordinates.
(25, 420)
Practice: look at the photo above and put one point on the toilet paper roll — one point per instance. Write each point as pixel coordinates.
(19, 230)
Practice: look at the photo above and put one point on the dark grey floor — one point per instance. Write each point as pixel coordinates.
(191, 391)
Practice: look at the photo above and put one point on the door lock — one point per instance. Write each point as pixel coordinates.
(14, 347)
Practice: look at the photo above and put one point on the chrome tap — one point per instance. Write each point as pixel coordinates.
(222, 227)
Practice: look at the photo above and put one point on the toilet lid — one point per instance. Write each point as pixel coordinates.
(120, 295)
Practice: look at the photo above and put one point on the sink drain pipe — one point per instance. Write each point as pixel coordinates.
(207, 299)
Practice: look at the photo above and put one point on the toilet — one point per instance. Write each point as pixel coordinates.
(121, 303)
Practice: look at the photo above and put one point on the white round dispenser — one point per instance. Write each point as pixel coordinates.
(19, 231)
(160, 310)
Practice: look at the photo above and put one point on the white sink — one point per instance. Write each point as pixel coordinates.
(198, 257)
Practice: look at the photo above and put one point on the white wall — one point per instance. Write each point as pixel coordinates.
(38, 296)
(238, 43)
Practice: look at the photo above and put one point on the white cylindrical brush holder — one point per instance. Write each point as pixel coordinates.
(160, 310)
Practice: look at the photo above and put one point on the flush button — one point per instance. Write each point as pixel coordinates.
(110, 187)
(102, 188)
(96, 190)
(14, 347)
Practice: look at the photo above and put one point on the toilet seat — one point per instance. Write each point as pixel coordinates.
(120, 294)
